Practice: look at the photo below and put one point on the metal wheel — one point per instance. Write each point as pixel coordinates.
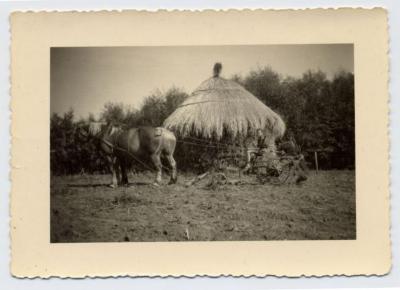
(286, 172)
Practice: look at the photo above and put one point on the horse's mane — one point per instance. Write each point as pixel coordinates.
(95, 128)
(115, 129)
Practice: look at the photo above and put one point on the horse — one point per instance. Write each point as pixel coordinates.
(123, 145)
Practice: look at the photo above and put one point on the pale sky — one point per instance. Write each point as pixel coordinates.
(86, 78)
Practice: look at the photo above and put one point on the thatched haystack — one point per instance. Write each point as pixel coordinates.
(221, 107)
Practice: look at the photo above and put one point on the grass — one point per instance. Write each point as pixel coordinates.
(84, 209)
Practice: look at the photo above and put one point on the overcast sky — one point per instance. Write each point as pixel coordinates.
(86, 78)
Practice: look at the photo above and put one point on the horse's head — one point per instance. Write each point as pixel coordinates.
(91, 129)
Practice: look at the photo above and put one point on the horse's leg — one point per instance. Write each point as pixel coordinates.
(155, 157)
(112, 164)
(124, 178)
(172, 163)
(117, 166)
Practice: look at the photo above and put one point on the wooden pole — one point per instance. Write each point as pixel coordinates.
(316, 160)
(196, 179)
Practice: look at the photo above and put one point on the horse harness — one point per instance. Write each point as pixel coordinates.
(157, 133)
(108, 143)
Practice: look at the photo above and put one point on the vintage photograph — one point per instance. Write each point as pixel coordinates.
(202, 143)
(170, 143)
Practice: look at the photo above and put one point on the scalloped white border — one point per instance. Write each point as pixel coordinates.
(28, 171)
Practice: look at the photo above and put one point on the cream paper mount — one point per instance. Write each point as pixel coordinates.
(34, 251)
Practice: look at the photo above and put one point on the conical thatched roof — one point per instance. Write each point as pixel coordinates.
(220, 106)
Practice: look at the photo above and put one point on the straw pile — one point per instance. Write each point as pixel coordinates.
(221, 107)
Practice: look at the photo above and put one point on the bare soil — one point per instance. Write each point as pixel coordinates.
(85, 209)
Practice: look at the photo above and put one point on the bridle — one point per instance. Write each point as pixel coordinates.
(108, 143)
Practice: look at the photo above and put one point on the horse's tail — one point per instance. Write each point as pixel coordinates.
(169, 141)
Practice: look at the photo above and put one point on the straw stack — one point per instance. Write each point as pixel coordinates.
(220, 108)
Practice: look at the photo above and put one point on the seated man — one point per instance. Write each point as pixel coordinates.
(289, 147)
(256, 146)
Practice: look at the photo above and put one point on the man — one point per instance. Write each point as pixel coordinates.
(257, 145)
(260, 139)
(289, 147)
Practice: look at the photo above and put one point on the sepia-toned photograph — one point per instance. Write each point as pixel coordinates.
(202, 143)
(187, 143)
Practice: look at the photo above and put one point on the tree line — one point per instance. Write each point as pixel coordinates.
(318, 112)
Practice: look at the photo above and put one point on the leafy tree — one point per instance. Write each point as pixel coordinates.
(132, 117)
(153, 110)
(265, 84)
(158, 106)
(62, 130)
(113, 113)
(173, 98)
(319, 113)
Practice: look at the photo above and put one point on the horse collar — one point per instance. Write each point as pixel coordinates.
(107, 143)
